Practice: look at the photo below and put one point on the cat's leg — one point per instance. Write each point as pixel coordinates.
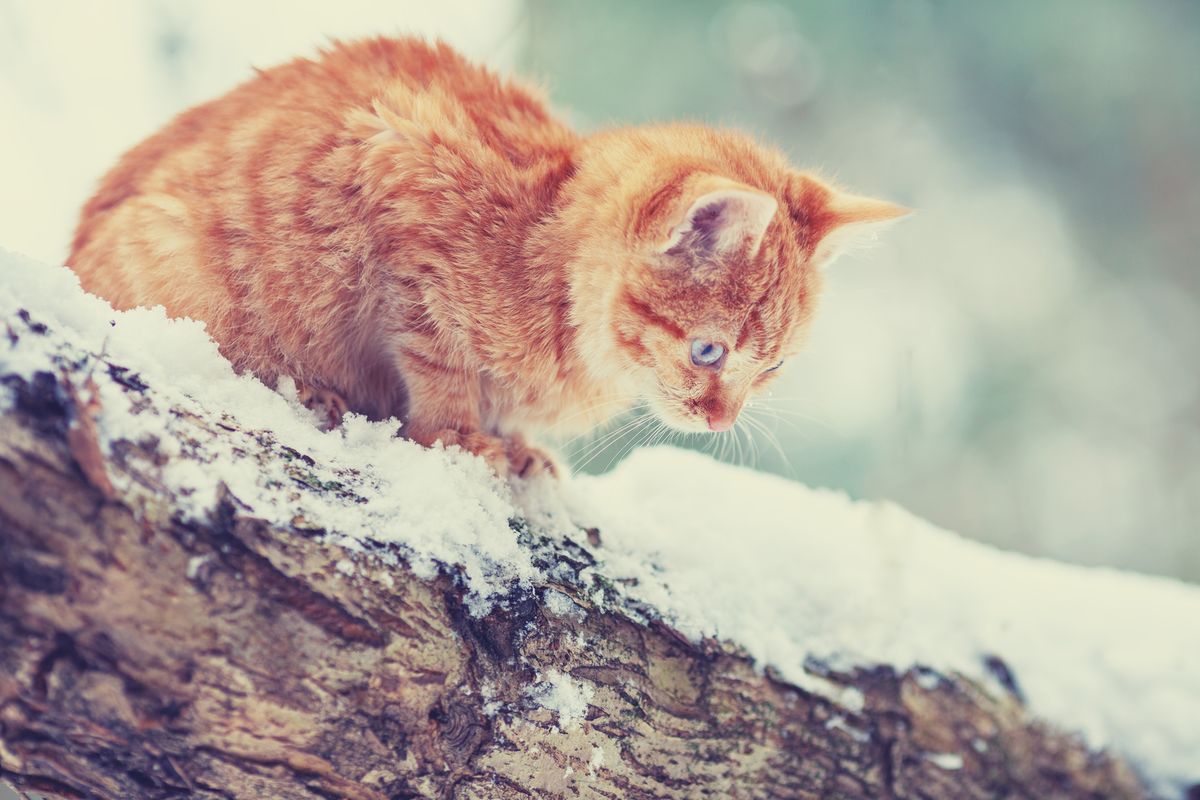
(443, 405)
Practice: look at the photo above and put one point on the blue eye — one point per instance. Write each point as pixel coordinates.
(707, 354)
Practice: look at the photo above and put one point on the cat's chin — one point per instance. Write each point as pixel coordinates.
(675, 420)
(683, 424)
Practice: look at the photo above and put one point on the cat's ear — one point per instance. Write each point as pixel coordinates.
(854, 222)
(838, 221)
(727, 218)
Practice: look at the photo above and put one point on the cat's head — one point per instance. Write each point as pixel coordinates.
(704, 279)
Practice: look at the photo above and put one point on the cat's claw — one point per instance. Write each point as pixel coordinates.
(506, 456)
(526, 461)
(326, 402)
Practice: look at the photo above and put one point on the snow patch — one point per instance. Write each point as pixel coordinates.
(927, 679)
(795, 574)
(558, 604)
(596, 761)
(852, 699)
(838, 723)
(559, 692)
(195, 563)
(947, 761)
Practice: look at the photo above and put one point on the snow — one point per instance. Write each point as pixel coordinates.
(947, 761)
(596, 761)
(795, 576)
(560, 605)
(195, 563)
(564, 695)
(852, 699)
(792, 573)
(838, 723)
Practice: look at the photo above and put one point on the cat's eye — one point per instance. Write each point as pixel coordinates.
(772, 369)
(709, 355)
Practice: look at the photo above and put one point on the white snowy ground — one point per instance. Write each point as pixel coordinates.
(792, 574)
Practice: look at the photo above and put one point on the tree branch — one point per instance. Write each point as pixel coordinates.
(146, 654)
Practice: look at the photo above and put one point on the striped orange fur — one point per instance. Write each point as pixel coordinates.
(404, 233)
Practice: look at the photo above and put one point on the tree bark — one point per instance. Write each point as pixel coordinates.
(145, 656)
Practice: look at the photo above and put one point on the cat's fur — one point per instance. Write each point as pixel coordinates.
(403, 233)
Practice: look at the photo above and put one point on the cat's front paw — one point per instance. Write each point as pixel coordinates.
(506, 456)
(328, 404)
(526, 461)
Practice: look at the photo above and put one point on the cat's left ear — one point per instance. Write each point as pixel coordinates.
(724, 218)
(838, 221)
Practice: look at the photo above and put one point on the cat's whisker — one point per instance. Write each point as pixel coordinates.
(668, 435)
(594, 449)
(773, 440)
(751, 446)
(791, 412)
(640, 441)
(750, 449)
(788, 405)
(630, 416)
(634, 442)
(630, 428)
(588, 435)
(587, 438)
(781, 415)
(609, 436)
(625, 403)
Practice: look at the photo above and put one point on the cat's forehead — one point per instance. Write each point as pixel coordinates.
(746, 299)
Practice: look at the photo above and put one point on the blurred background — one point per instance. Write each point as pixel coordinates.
(1019, 361)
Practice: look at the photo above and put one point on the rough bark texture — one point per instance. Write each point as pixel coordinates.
(145, 657)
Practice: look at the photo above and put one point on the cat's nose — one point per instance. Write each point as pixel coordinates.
(721, 422)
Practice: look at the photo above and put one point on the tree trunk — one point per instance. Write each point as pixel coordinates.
(145, 656)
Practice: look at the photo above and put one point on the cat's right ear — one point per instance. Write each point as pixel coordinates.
(723, 219)
(833, 221)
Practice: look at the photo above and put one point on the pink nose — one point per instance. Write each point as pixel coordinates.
(718, 422)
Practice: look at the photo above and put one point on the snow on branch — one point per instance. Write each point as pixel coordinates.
(676, 627)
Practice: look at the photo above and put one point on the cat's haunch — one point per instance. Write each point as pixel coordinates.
(404, 233)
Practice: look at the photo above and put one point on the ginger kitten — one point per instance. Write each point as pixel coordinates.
(404, 233)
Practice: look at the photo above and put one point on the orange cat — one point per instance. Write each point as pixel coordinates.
(403, 233)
